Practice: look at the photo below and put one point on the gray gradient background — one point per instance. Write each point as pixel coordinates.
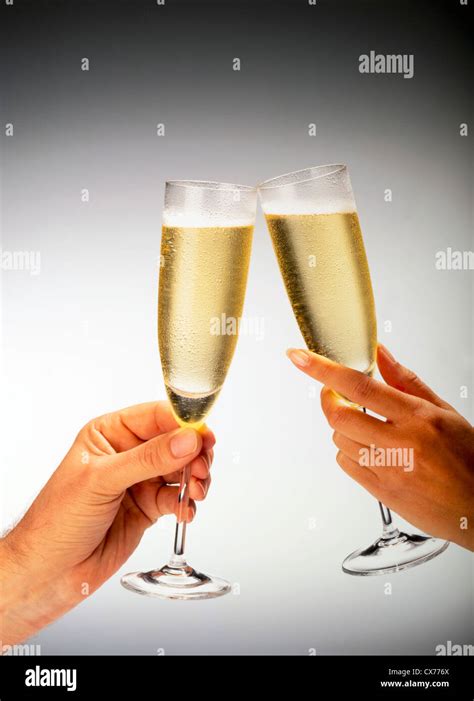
(79, 339)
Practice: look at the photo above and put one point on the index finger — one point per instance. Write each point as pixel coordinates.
(127, 428)
(149, 419)
(354, 385)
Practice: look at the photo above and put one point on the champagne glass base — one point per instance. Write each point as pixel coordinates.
(393, 554)
(176, 582)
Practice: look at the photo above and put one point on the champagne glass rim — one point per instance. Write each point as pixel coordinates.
(273, 182)
(210, 185)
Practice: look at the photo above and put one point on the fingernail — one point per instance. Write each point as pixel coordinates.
(210, 439)
(386, 352)
(203, 489)
(206, 460)
(301, 358)
(183, 443)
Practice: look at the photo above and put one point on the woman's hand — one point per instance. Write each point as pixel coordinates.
(419, 462)
(114, 483)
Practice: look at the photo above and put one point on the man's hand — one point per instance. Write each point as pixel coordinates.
(116, 480)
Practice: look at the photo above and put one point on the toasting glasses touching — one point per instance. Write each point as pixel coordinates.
(312, 219)
(205, 254)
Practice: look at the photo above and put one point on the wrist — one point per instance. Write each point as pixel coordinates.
(29, 600)
(11, 575)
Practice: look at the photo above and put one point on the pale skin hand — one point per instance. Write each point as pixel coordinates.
(113, 484)
(438, 495)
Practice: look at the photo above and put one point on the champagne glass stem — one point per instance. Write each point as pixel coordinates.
(389, 530)
(177, 559)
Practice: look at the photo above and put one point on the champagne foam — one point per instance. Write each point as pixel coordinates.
(296, 207)
(196, 220)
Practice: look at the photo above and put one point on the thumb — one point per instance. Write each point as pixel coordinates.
(161, 455)
(405, 380)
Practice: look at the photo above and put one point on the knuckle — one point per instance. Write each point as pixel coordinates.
(337, 416)
(151, 454)
(324, 372)
(206, 486)
(90, 434)
(436, 423)
(431, 420)
(343, 461)
(363, 387)
(423, 410)
(86, 430)
(101, 421)
(410, 375)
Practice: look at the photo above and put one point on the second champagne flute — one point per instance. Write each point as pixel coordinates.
(313, 222)
(205, 254)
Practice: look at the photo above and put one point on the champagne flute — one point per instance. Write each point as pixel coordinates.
(205, 253)
(312, 219)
